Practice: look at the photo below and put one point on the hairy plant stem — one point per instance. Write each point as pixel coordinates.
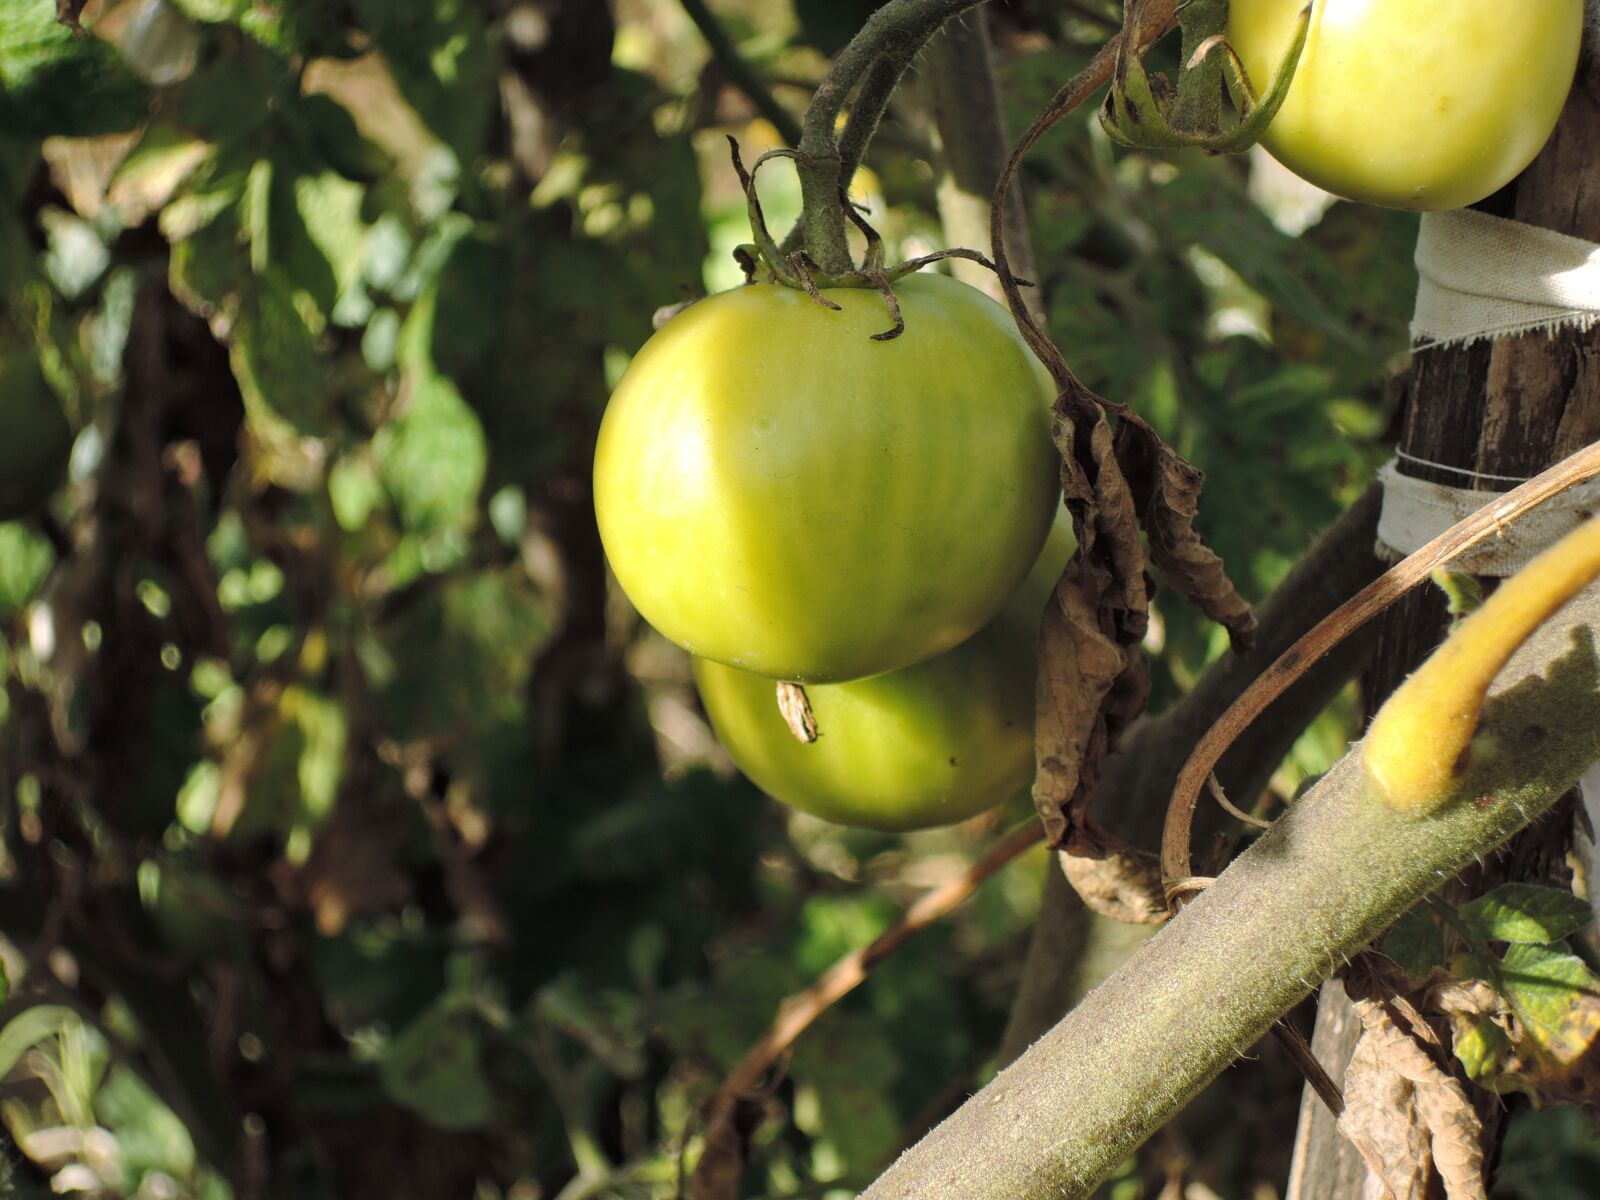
(893, 35)
(1316, 888)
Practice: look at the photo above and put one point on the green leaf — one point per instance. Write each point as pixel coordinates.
(53, 83)
(1482, 1048)
(435, 1068)
(331, 135)
(1549, 1155)
(329, 208)
(149, 1136)
(1550, 1051)
(230, 100)
(431, 458)
(1524, 913)
(438, 52)
(852, 1067)
(324, 730)
(281, 371)
(30, 1027)
(25, 560)
(1415, 943)
(1542, 983)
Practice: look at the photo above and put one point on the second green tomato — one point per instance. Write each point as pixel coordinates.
(926, 745)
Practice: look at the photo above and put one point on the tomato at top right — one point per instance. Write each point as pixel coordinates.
(1420, 104)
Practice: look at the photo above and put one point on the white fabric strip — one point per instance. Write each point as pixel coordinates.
(1483, 277)
(1415, 512)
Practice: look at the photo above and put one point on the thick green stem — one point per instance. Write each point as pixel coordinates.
(1316, 888)
(866, 114)
(894, 33)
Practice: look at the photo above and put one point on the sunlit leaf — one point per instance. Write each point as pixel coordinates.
(1522, 912)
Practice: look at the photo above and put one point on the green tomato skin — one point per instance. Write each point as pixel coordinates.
(1419, 104)
(35, 438)
(780, 493)
(930, 744)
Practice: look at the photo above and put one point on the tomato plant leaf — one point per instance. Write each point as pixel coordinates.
(1526, 913)
(438, 52)
(25, 560)
(1540, 1034)
(1415, 943)
(435, 1067)
(56, 83)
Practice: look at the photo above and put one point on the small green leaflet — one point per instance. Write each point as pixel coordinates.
(1525, 914)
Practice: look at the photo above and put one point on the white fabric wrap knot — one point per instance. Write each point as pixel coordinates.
(1416, 511)
(1482, 277)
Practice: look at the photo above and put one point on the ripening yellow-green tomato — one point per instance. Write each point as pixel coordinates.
(926, 745)
(1421, 104)
(779, 492)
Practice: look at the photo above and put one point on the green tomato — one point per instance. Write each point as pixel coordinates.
(35, 439)
(778, 492)
(1422, 104)
(927, 745)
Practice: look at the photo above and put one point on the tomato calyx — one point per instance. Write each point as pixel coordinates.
(1149, 112)
(765, 260)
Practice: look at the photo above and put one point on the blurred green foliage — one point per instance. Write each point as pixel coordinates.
(358, 841)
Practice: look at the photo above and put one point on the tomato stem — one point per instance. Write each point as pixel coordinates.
(877, 55)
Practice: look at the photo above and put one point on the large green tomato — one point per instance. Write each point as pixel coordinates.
(1424, 104)
(926, 745)
(778, 492)
(35, 438)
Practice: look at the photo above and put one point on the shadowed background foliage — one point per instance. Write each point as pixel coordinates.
(358, 839)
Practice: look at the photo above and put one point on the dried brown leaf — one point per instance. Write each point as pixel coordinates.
(1124, 885)
(1467, 998)
(1079, 662)
(1092, 679)
(1393, 1057)
(1381, 1120)
(70, 14)
(1167, 491)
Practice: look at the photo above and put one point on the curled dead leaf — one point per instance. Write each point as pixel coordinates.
(1395, 1080)
(1124, 885)
(1166, 489)
(1092, 679)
